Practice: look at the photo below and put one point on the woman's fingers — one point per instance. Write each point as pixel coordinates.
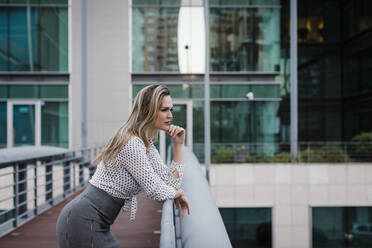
(174, 130)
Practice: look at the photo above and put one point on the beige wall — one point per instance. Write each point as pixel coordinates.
(108, 77)
(291, 190)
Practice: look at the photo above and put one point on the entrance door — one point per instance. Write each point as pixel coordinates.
(182, 116)
(23, 123)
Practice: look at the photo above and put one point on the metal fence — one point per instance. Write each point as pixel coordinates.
(30, 186)
(271, 152)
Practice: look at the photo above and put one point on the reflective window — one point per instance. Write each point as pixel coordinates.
(34, 38)
(189, 91)
(244, 39)
(154, 39)
(34, 91)
(54, 124)
(358, 17)
(3, 124)
(248, 227)
(342, 227)
(53, 91)
(241, 91)
(23, 91)
(257, 121)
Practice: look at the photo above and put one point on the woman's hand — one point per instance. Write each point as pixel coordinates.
(179, 193)
(184, 204)
(177, 133)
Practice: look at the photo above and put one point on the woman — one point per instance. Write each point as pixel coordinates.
(128, 164)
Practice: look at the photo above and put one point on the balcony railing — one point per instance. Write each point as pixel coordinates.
(34, 183)
(204, 226)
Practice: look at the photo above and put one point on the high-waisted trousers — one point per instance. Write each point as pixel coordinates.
(85, 221)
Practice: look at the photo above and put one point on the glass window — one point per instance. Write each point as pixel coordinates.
(53, 91)
(178, 91)
(54, 124)
(34, 38)
(244, 39)
(257, 122)
(10, 2)
(342, 227)
(358, 17)
(3, 91)
(248, 227)
(3, 124)
(154, 39)
(34, 91)
(244, 2)
(23, 91)
(241, 91)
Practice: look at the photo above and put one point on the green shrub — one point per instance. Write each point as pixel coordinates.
(324, 154)
(223, 155)
(362, 149)
(283, 157)
(258, 158)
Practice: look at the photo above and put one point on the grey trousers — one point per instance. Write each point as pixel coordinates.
(85, 221)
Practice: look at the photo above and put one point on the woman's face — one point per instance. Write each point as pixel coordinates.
(163, 120)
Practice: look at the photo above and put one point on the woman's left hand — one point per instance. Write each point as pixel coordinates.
(177, 133)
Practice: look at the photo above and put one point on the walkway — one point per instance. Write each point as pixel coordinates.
(40, 232)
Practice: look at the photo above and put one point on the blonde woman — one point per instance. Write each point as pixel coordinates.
(128, 164)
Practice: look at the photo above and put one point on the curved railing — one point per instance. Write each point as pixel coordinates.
(204, 227)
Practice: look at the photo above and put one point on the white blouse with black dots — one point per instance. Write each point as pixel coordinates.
(135, 170)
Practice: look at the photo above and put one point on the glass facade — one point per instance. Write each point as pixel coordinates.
(252, 37)
(334, 63)
(248, 227)
(33, 36)
(342, 227)
(54, 124)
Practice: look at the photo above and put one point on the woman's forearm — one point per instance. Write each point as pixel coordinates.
(178, 153)
(178, 157)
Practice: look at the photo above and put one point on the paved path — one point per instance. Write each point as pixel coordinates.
(41, 231)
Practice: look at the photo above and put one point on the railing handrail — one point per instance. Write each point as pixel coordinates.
(204, 227)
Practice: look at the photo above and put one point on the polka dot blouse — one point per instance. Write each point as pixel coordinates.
(135, 170)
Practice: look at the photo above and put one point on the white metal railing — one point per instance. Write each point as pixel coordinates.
(30, 186)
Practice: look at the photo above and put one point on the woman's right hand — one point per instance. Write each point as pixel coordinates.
(179, 193)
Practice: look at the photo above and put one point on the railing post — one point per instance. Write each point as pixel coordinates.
(49, 182)
(15, 194)
(35, 189)
(74, 174)
(66, 178)
(20, 190)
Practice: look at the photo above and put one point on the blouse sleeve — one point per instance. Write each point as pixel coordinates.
(165, 172)
(133, 158)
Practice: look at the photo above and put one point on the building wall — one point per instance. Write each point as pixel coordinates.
(291, 190)
(108, 87)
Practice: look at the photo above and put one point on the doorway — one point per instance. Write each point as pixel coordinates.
(23, 123)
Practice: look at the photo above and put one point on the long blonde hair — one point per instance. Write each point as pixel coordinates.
(140, 122)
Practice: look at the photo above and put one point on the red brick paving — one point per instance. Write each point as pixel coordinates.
(41, 231)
